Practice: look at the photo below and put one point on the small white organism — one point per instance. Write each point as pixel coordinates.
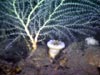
(55, 47)
(91, 41)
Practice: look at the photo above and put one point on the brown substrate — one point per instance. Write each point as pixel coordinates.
(71, 61)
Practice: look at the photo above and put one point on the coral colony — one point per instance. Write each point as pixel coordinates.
(36, 20)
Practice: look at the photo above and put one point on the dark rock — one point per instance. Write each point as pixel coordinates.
(14, 53)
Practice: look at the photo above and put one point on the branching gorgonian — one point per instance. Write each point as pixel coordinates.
(38, 19)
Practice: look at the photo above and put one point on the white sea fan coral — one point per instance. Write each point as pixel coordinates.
(40, 19)
(91, 41)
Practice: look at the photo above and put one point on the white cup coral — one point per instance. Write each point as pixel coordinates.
(55, 47)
